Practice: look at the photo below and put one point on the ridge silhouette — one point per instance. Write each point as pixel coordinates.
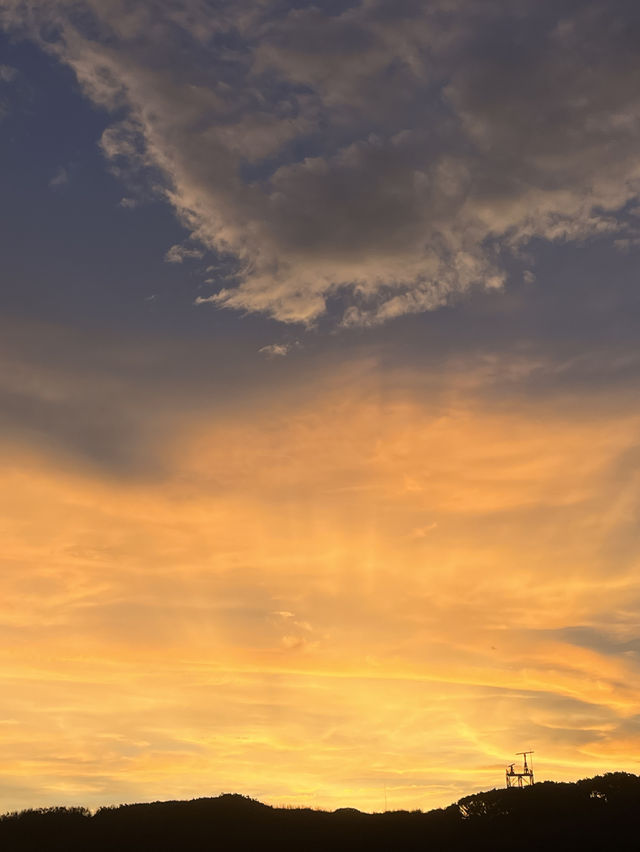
(598, 813)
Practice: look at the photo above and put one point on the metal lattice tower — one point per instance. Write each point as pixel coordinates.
(523, 778)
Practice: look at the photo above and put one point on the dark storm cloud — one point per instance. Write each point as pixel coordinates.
(388, 152)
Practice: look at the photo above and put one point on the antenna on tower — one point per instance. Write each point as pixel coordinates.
(524, 778)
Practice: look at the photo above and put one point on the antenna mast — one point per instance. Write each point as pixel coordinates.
(523, 778)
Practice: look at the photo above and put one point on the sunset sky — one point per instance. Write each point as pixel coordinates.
(319, 398)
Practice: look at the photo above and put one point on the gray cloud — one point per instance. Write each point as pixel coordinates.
(7, 76)
(178, 253)
(60, 178)
(275, 350)
(7, 73)
(116, 403)
(389, 153)
(598, 640)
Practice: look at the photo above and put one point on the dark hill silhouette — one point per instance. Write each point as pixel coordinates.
(599, 813)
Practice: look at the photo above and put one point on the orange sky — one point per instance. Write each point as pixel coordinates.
(319, 370)
(387, 579)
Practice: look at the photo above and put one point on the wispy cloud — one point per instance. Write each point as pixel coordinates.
(128, 203)
(180, 253)
(7, 73)
(369, 562)
(61, 178)
(275, 350)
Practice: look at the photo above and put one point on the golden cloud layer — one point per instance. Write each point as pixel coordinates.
(374, 585)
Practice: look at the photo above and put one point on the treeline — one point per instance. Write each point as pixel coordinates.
(599, 813)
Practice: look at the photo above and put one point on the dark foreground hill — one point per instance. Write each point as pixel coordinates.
(600, 813)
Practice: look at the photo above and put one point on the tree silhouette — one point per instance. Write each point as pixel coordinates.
(593, 814)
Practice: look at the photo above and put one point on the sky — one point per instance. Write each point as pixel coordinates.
(319, 412)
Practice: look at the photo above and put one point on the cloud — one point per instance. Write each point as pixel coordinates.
(7, 73)
(129, 203)
(436, 534)
(7, 76)
(89, 398)
(275, 350)
(61, 178)
(351, 552)
(180, 253)
(390, 156)
(349, 561)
